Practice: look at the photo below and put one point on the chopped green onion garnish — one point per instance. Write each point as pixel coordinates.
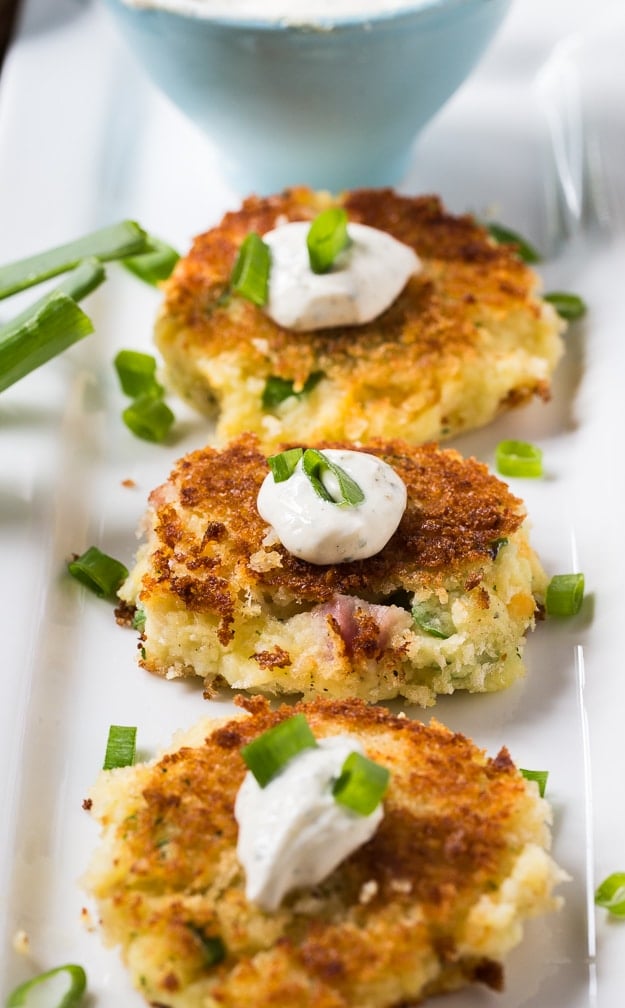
(250, 274)
(154, 265)
(272, 750)
(137, 373)
(138, 620)
(519, 458)
(611, 894)
(213, 947)
(568, 306)
(361, 785)
(113, 242)
(38, 334)
(100, 573)
(540, 776)
(120, 747)
(565, 594)
(345, 493)
(433, 621)
(327, 237)
(80, 281)
(283, 465)
(496, 546)
(46, 989)
(505, 236)
(149, 418)
(278, 389)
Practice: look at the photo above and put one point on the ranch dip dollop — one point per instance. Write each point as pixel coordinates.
(323, 532)
(363, 281)
(293, 832)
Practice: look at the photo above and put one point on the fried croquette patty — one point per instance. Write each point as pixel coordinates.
(435, 900)
(467, 337)
(443, 606)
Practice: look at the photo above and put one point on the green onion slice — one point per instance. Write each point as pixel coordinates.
(250, 274)
(100, 573)
(120, 747)
(327, 237)
(154, 265)
(137, 373)
(39, 334)
(270, 752)
(361, 784)
(345, 492)
(611, 894)
(505, 236)
(113, 242)
(46, 989)
(277, 389)
(213, 948)
(432, 620)
(283, 465)
(138, 619)
(149, 418)
(519, 458)
(565, 594)
(540, 776)
(568, 306)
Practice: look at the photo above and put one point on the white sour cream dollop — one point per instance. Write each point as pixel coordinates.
(364, 280)
(323, 532)
(292, 832)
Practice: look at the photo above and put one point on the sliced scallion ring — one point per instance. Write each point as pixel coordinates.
(48, 988)
(137, 373)
(283, 465)
(154, 265)
(611, 894)
(519, 458)
(568, 306)
(278, 389)
(433, 620)
(540, 776)
(505, 236)
(347, 492)
(327, 237)
(101, 573)
(565, 594)
(250, 274)
(120, 747)
(361, 784)
(266, 755)
(149, 418)
(113, 242)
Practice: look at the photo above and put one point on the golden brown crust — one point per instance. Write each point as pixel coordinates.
(456, 511)
(387, 925)
(434, 322)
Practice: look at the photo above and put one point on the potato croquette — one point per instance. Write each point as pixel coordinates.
(467, 337)
(445, 605)
(433, 901)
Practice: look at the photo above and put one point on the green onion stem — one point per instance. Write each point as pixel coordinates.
(250, 274)
(120, 747)
(361, 784)
(137, 373)
(611, 894)
(154, 265)
(568, 306)
(505, 236)
(113, 242)
(565, 594)
(149, 418)
(266, 755)
(347, 492)
(33, 992)
(326, 239)
(101, 573)
(283, 465)
(540, 776)
(519, 458)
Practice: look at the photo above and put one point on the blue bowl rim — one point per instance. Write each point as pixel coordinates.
(421, 8)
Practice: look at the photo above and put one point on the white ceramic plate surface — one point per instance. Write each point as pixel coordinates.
(536, 138)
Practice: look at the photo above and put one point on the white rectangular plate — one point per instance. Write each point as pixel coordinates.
(536, 139)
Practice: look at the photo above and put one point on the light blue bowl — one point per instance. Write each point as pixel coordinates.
(334, 106)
